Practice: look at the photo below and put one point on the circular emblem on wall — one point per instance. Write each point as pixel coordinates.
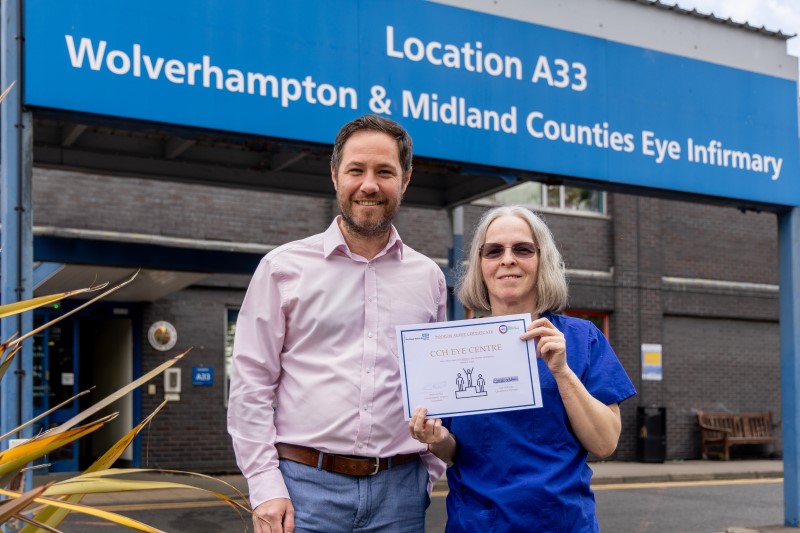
(162, 335)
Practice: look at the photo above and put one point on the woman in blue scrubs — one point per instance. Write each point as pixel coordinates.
(526, 470)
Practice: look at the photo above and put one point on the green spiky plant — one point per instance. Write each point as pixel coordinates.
(44, 507)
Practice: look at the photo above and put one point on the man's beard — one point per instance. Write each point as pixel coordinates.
(368, 228)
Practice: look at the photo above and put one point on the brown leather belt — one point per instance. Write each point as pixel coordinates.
(341, 464)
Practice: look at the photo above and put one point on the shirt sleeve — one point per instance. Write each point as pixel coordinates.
(606, 378)
(433, 464)
(442, 311)
(255, 372)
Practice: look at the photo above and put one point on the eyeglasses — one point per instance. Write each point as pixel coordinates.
(521, 250)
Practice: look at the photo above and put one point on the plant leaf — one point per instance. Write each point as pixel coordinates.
(97, 483)
(127, 471)
(204, 476)
(37, 525)
(7, 363)
(12, 507)
(83, 415)
(65, 315)
(99, 513)
(112, 454)
(35, 419)
(53, 516)
(5, 93)
(26, 305)
(4, 346)
(13, 459)
(82, 485)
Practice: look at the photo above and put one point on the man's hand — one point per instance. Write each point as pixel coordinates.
(427, 431)
(274, 516)
(440, 441)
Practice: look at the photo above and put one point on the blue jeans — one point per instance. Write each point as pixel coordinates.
(392, 501)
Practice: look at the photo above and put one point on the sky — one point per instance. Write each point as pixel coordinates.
(783, 15)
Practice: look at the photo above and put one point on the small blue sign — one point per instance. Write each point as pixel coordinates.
(202, 375)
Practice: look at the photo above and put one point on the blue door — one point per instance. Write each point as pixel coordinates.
(55, 379)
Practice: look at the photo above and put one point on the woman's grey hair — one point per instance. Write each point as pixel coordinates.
(551, 283)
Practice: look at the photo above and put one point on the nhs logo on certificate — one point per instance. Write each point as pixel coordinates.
(468, 366)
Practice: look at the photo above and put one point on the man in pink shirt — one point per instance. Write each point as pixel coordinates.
(315, 411)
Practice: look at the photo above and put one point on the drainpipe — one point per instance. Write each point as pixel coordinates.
(16, 254)
(789, 255)
(454, 258)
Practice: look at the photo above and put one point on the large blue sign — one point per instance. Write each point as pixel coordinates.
(469, 87)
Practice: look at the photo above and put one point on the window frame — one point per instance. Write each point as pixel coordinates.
(544, 208)
(231, 316)
(583, 313)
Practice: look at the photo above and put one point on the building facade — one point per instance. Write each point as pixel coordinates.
(195, 208)
(699, 280)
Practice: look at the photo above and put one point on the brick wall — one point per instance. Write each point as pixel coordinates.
(638, 243)
(709, 334)
(428, 231)
(699, 327)
(717, 365)
(134, 205)
(702, 241)
(190, 434)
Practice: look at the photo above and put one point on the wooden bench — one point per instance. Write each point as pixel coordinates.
(729, 429)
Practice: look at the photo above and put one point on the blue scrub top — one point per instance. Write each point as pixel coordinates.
(525, 470)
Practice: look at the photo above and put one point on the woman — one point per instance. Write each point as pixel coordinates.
(526, 470)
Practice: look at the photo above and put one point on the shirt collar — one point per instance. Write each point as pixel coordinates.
(334, 240)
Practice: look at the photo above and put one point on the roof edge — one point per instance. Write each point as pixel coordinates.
(719, 20)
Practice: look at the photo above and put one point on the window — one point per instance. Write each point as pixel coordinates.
(230, 331)
(599, 319)
(555, 197)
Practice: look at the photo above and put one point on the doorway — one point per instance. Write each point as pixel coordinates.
(89, 349)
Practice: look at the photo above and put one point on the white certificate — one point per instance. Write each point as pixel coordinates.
(468, 367)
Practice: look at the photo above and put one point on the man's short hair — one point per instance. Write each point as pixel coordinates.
(381, 125)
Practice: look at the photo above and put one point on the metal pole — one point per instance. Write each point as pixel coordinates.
(789, 252)
(16, 254)
(454, 258)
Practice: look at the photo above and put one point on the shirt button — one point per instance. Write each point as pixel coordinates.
(370, 298)
(361, 445)
(369, 335)
(371, 266)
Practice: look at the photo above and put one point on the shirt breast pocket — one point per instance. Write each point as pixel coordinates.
(403, 314)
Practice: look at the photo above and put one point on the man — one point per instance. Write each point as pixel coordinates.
(315, 410)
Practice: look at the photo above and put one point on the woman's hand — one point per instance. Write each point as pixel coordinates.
(550, 344)
(596, 425)
(427, 431)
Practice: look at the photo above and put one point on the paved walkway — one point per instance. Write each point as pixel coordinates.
(695, 470)
(605, 473)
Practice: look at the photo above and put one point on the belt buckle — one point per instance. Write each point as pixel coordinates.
(377, 467)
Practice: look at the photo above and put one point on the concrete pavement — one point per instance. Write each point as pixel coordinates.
(613, 472)
(605, 473)
(694, 470)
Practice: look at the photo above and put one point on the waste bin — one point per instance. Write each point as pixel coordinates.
(651, 423)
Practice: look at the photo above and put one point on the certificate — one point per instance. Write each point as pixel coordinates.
(468, 367)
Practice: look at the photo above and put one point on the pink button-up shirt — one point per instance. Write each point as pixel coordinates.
(315, 354)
